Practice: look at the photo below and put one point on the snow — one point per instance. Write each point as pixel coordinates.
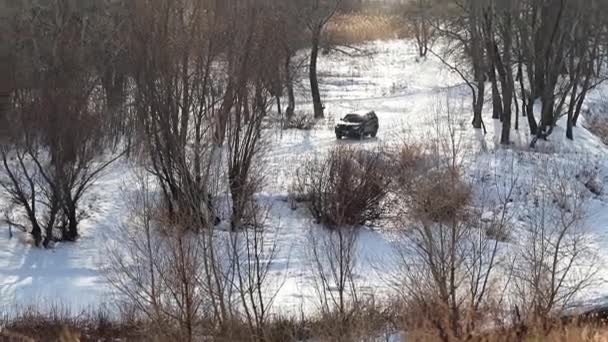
(404, 93)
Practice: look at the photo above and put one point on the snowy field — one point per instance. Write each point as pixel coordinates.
(405, 94)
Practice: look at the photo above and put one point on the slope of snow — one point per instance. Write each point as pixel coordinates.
(406, 95)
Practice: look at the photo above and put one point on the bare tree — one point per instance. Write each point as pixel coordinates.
(253, 252)
(450, 252)
(418, 15)
(462, 26)
(333, 255)
(498, 34)
(290, 39)
(315, 15)
(27, 190)
(172, 52)
(58, 139)
(558, 57)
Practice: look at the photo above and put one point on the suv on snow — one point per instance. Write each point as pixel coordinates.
(357, 126)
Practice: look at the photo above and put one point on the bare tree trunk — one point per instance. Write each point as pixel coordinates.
(527, 99)
(314, 82)
(478, 105)
(506, 76)
(496, 98)
(291, 106)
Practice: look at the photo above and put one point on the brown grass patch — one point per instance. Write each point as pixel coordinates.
(598, 125)
(59, 324)
(357, 28)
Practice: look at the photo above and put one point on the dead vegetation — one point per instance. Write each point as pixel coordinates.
(371, 322)
(357, 28)
(598, 125)
(344, 188)
(300, 121)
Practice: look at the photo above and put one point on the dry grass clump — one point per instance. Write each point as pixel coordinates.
(357, 28)
(563, 334)
(598, 125)
(369, 321)
(440, 196)
(430, 190)
(301, 121)
(60, 324)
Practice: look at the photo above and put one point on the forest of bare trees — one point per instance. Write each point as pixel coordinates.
(186, 90)
(546, 52)
(171, 81)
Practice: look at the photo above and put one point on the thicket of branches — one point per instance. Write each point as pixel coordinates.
(550, 52)
(183, 86)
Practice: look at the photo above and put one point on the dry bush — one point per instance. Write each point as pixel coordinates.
(591, 180)
(186, 282)
(356, 28)
(428, 190)
(566, 333)
(345, 188)
(440, 196)
(428, 177)
(448, 261)
(598, 125)
(410, 157)
(333, 266)
(371, 321)
(555, 260)
(156, 265)
(300, 121)
(60, 324)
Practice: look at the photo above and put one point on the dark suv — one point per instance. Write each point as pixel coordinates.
(357, 126)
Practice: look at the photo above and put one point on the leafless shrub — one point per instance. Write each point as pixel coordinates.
(371, 321)
(555, 262)
(174, 103)
(193, 282)
(245, 147)
(440, 196)
(252, 253)
(428, 178)
(598, 125)
(154, 265)
(345, 188)
(448, 260)
(57, 323)
(333, 254)
(301, 121)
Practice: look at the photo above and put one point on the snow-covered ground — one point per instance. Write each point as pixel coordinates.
(406, 95)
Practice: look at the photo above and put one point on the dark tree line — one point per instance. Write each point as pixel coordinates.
(183, 86)
(551, 52)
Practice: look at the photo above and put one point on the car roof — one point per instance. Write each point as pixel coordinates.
(354, 116)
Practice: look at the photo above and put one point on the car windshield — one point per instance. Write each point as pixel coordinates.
(353, 118)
